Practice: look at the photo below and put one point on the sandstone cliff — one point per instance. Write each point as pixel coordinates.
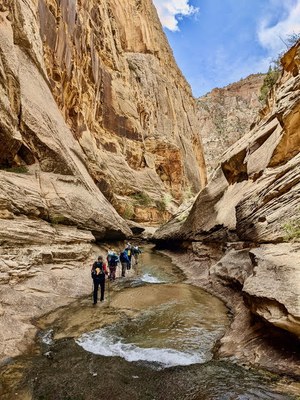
(253, 198)
(226, 114)
(114, 78)
(93, 112)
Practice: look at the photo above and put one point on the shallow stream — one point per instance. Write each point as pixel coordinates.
(153, 338)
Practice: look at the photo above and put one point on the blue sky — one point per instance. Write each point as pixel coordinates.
(217, 42)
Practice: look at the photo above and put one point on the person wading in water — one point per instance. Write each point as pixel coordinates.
(98, 274)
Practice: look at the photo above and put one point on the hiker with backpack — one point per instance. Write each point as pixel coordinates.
(124, 261)
(98, 273)
(136, 251)
(128, 250)
(113, 261)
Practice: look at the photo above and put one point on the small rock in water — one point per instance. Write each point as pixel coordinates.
(49, 354)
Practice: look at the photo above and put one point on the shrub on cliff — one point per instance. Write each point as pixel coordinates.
(292, 230)
(273, 72)
(20, 169)
(268, 83)
(142, 199)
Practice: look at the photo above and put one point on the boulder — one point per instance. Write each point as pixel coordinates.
(273, 290)
(234, 268)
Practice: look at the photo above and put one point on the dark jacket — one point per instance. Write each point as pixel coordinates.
(113, 260)
(98, 271)
(124, 257)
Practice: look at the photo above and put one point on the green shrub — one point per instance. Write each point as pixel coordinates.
(292, 230)
(160, 205)
(19, 169)
(268, 83)
(58, 219)
(274, 71)
(163, 203)
(142, 198)
(183, 216)
(188, 193)
(128, 212)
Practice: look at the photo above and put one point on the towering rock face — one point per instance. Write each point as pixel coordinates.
(226, 114)
(55, 185)
(114, 78)
(254, 197)
(93, 111)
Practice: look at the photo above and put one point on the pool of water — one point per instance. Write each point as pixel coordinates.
(153, 338)
(181, 328)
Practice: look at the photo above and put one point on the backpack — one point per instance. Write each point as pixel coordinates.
(136, 250)
(124, 257)
(97, 270)
(113, 261)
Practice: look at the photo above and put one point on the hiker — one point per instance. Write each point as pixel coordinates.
(113, 261)
(136, 251)
(124, 261)
(128, 250)
(98, 274)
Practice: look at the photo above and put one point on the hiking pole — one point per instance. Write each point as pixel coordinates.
(108, 293)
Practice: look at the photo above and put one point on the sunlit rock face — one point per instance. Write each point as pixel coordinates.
(255, 191)
(95, 117)
(114, 78)
(55, 185)
(226, 114)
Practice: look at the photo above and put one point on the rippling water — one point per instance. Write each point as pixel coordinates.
(148, 278)
(181, 331)
(178, 324)
(153, 339)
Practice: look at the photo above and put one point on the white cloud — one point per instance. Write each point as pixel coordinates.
(170, 11)
(272, 37)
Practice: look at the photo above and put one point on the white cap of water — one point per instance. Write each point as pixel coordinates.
(98, 342)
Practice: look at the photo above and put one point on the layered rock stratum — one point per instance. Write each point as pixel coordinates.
(252, 203)
(114, 78)
(95, 116)
(226, 114)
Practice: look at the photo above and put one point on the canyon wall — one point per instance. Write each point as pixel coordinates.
(250, 209)
(226, 114)
(94, 116)
(115, 80)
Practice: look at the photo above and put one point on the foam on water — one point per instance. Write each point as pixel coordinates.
(148, 278)
(102, 343)
(47, 337)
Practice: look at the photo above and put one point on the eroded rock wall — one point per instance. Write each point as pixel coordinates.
(253, 198)
(93, 112)
(46, 172)
(115, 80)
(226, 114)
